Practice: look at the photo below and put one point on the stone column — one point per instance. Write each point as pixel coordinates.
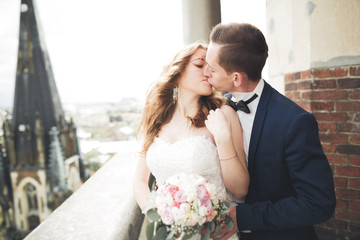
(199, 17)
(314, 52)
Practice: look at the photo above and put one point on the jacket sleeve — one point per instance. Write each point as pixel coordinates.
(312, 180)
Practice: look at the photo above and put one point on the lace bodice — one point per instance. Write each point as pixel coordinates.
(194, 154)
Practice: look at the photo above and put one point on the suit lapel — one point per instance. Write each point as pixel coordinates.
(257, 126)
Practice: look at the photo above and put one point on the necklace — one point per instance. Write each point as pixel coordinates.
(183, 123)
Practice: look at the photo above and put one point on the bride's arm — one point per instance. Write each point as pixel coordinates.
(140, 182)
(224, 124)
(235, 177)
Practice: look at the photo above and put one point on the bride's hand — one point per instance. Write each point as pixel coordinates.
(219, 125)
(225, 234)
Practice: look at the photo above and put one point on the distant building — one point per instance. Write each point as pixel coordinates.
(40, 163)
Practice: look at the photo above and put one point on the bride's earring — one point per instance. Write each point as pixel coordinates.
(175, 94)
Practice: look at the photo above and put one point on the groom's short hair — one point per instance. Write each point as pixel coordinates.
(244, 48)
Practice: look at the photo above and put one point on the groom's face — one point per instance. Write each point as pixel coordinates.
(216, 75)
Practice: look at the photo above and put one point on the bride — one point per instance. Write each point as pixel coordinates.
(187, 128)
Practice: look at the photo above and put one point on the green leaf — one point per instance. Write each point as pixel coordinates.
(160, 233)
(227, 219)
(188, 236)
(230, 226)
(207, 234)
(211, 226)
(152, 215)
(217, 231)
(150, 231)
(171, 235)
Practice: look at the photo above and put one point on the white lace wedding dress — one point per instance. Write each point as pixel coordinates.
(194, 154)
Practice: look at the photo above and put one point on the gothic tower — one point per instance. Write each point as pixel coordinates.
(40, 145)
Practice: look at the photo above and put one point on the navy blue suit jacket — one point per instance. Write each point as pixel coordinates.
(291, 183)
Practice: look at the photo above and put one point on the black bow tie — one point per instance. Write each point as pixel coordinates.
(242, 105)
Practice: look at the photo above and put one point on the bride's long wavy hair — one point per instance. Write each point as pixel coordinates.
(160, 105)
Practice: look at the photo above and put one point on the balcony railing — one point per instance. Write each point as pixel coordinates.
(103, 208)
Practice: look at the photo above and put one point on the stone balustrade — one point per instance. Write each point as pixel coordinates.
(102, 208)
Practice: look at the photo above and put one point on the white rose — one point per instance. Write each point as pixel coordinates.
(196, 205)
(211, 189)
(202, 220)
(191, 194)
(184, 208)
(169, 200)
(202, 211)
(193, 219)
(177, 215)
(197, 180)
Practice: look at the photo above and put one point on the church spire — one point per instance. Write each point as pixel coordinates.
(35, 95)
(37, 172)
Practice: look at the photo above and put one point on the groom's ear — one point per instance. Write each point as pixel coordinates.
(239, 78)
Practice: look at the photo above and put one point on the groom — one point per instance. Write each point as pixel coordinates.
(291, 183)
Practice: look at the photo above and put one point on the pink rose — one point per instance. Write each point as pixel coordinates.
(206, 202)
(162, 191)
(202, 192)
(173, 190)
(210, 216)
(180, 196)
(165, 214)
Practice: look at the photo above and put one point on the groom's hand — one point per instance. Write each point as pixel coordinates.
(225, 234)
(218, 124)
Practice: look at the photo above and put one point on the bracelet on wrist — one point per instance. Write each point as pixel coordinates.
(228, 158)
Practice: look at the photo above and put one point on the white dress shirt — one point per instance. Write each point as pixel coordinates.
(247, 119)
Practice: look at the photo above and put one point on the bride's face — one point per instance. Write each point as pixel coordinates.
(193, 79)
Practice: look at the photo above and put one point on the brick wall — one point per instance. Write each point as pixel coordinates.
(333, 96)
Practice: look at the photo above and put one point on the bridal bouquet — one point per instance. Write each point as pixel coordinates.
(185, 205)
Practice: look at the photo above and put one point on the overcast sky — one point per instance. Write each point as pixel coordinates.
(104, 50)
